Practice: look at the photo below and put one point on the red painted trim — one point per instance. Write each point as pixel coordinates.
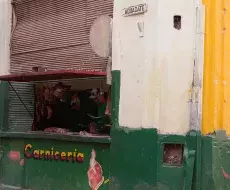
(52, 75)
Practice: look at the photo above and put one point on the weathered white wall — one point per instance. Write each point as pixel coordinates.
(156, 70)
(5, 35)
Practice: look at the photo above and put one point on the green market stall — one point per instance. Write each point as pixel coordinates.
(37, 159)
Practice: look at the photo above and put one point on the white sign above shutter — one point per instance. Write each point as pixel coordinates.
(134, 10)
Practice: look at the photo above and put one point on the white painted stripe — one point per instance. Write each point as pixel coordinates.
(5, 35)
(12, 187)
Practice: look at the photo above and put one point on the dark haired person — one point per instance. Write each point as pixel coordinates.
(56, 115)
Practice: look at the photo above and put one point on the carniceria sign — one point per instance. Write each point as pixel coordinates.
(53, 154)
(134, 10)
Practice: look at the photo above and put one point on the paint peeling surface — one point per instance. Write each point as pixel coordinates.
(221, 165)
(157, 70)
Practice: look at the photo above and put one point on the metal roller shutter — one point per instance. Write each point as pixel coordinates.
(55, 34)
(96, 8)
(19, 118)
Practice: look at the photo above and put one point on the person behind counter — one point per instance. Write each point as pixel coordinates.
(99, 120)
(56, 114)
(61, 110)
(84, 112)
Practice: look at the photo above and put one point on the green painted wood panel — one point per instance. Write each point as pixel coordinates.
(40, 174)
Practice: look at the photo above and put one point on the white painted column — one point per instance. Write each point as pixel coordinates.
(128, 56)
(174, 65)
(5, 35)
(156, 69)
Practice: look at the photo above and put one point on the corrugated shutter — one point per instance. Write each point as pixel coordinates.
(55, 34)
(96, 8)
(19, 118)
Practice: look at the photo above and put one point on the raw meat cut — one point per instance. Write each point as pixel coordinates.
(95, 173)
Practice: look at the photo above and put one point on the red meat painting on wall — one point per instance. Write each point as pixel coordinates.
(15, 156)
(95, 173)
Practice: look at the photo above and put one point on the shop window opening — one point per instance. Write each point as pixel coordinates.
(70, 106)
(173, 154)
(177, 22)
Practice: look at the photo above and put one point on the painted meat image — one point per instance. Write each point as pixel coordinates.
(95, 173)
(14, 155)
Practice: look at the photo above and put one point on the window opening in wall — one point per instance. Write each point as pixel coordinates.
(173, 154)
(177, 22)
(68, 106)
(70, 109)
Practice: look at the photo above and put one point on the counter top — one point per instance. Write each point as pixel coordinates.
(56, 136)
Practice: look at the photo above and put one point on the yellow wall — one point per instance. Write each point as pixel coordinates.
(216, 90)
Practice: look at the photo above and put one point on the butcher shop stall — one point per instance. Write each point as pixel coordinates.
(56, 131)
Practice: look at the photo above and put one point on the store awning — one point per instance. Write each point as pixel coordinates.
(51, 75)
